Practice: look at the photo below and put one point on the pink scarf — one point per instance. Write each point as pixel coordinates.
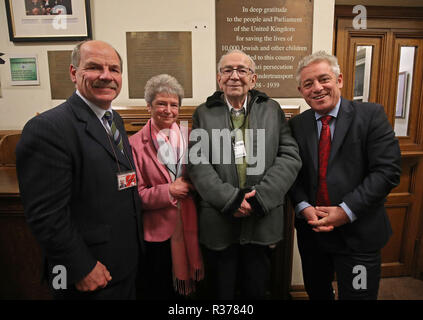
(187, 262)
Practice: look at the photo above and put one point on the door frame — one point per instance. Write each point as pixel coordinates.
(384, 92)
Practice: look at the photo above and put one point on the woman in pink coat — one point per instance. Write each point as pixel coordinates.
(173, 258)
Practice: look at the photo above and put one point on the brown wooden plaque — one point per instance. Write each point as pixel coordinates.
(61, 85)
(275, 33)
(153, 53)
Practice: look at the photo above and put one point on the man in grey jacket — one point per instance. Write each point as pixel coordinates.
(243, 160)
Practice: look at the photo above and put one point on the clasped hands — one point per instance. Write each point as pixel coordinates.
(180, 188)
(245, 209)
(325, 219)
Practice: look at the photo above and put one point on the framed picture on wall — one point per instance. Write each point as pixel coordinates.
(48, 20)
(401, 95)
(24, 70)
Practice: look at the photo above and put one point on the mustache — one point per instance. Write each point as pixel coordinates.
(104, 84)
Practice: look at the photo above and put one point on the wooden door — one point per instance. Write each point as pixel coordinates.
(392, 45)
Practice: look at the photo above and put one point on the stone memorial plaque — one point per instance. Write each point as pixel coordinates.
(153, 53)
(275, 33)
(61, 85)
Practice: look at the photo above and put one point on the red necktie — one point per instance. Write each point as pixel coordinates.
(322, 197)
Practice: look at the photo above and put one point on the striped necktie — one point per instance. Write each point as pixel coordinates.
(108, 116)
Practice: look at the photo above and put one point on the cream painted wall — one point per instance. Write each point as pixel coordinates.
(386, 3)
(322, 40)
(19, 104)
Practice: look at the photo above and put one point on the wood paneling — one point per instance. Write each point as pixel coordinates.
(6, 132)
(20, 260)
(388, 29)
(7, 149)
(20, 256)
(135, 118)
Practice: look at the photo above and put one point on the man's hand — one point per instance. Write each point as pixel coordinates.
(97, 278)
(331, 217)
(245, 208)
(311, 214)
(180, 188)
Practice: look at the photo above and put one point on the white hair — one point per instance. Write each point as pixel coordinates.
(162, 83)
(318, 56)
(252, 63)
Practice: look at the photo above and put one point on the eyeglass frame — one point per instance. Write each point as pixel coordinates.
(236, 69)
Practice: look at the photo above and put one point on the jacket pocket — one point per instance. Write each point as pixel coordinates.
(101, 234)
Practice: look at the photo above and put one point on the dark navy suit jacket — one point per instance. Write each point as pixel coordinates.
(67, 169)
(364, 166)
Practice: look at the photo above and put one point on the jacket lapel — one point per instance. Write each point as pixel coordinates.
(343, 122)
(312, 141)
(95, 129)
(152, 152)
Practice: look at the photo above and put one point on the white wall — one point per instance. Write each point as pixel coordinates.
(18, 104)
(393, 3)
(322, 40)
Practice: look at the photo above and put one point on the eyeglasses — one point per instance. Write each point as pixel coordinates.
(242, 72)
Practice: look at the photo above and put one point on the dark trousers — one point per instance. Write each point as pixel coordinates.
(357, 273)
(237, 268)
(156, 276)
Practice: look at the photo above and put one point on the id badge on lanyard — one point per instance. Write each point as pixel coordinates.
(126, 180)
(239, 149)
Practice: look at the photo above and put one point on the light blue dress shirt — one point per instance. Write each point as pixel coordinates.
(99, 112)
(303, 204)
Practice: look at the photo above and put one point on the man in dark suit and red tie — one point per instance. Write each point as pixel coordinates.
(351, 161)
(69, 162)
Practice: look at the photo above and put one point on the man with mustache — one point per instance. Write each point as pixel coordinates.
(351, 161)
(71, 162)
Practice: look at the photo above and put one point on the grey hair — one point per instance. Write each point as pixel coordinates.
(315, 57)
(76, 55)
(252, 63)
(162, 83)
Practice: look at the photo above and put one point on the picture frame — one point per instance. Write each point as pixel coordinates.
(401, 95)
(44, 20)
(24, 70)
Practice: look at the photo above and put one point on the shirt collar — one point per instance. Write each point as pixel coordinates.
(333, 112)
(99, 112)
(244, 106)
